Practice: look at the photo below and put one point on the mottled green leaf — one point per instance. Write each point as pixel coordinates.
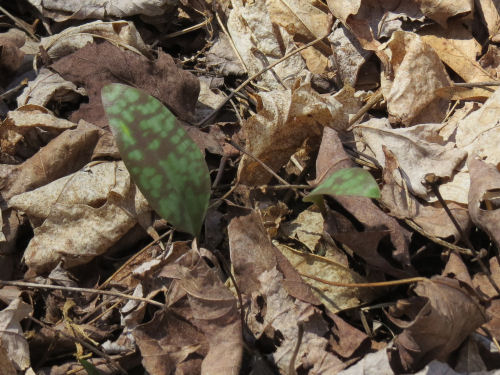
(348, 181)
(89, 367)
(164, 162)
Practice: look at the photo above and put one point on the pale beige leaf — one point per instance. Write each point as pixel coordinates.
(122, 33)
(100, 9)
(441, 10)
(488, 9)
(254, 36)
(11, 333)
(49, 86)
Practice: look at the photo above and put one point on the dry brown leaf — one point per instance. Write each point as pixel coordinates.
(304, 20)
(81, 215)
(65, 154)
(348, 55)
(403, 205)
(11, 333)
(103, 63)
(213, 311)
(420, 142)
(100, 9)
(490, 61)
(27, 129)
(285, 119)
(458, 49)
(442, 316)
(11, 57)
(415, 73)
(72, 39)
(441, 10)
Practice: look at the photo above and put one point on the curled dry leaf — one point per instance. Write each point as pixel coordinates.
(27, 129)
(49, 87)
(443, 315)
(82, 215)
(458, 49)
(285, 119)
(489, 13)
(441, 11)
(415, 73)
(65, 154)
(121, 33)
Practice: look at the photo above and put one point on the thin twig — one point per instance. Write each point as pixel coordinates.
(135, 256)
(21, 24)
(264, 165)
(367, 285)
(231, 42)
(85, 344)
(248, 80)
(437, 240)
(24, 284)
(188, 29)
(374, 99)
(477, 84)
(300, 334)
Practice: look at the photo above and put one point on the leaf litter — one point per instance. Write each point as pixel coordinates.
(405, 282)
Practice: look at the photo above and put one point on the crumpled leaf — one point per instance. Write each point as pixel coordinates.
(415, 73)
(289, 117)
(442, 316)
(211, 328)
(49, 87)
(81, 215)
(440, 11)
(11, 333)
(420, 142)
(28, 128)
(433, 219)
(166, 164)
(273, 312)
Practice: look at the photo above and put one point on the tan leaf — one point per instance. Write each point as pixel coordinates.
(416, 72)
(458, 49)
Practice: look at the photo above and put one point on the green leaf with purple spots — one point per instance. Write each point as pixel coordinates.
(348, 181)
(164, 162)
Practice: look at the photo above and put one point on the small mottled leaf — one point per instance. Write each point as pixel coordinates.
(164, 162)
(348, 181)
(89, 367)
